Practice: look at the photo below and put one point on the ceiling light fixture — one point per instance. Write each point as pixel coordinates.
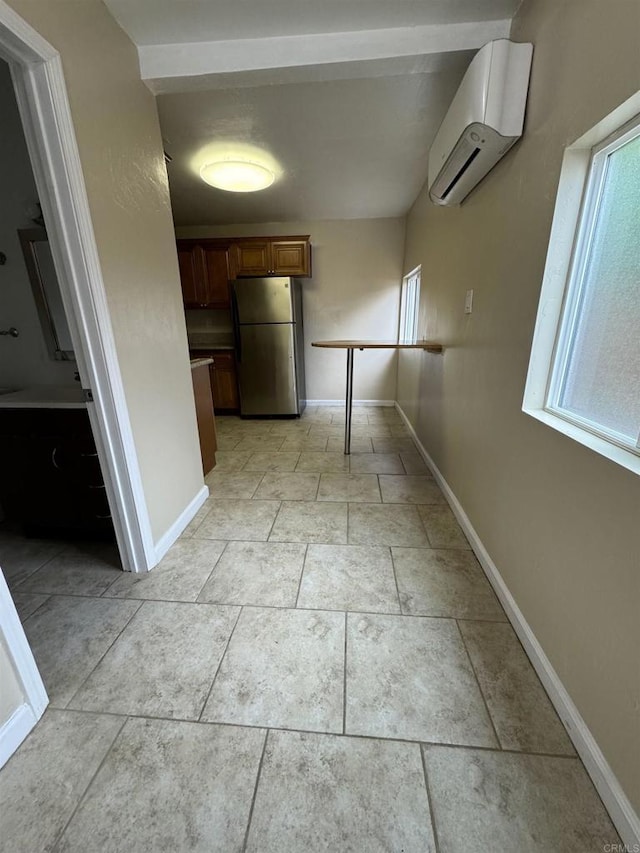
(237, 176)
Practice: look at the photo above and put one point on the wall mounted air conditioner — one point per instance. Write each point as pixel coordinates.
(484, 120)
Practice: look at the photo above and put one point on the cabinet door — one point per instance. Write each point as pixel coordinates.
(224, 382)
(190, 263)
(290, 257)
(216, 276)
(251, 258)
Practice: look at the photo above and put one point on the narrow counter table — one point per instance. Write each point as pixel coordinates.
(350, 346)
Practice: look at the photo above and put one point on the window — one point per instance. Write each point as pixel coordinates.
(584, 374)
(409, 305)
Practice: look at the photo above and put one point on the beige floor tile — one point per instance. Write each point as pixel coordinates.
(232, 485)
(290, 428)
(442, 528)
(411, 679)
(195, 522)
(305, 442)
(288, 487)
(393, 445)
(189, 789)
(43, 782)
(399, 431)
(270, 460)
(500, 801)
(283, 669)
(69, 635)
(348, 577)
(410, 489)
(162, 664)
(306, 521)
(27, 603)
(231, 460)
(320, 462)
(227, 442)
(327, 430)
(413, 463)
(360, 488)
(21, 557)
(260, 442)
(376, 463)
(444, 583)
(263, 573)
(335, 444)
(385, 524)
(522, 713)
(322, 792)
(73, 574)
(240, 520)
(371, 431)
(179, 576)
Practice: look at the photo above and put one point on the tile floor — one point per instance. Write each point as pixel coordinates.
(318, 664)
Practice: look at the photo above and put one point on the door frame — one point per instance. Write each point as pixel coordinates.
(38, 79)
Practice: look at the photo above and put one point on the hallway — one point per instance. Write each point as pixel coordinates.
(319, 663)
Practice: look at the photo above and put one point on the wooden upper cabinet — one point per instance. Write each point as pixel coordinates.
(272, 256)
(216, 276)
(291, 257)
(204, 274)
(251, 258)
(190, 277)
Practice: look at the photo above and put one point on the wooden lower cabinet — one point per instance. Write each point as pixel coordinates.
(51, 479)
(205, 417)
(224, 382)
(223, 378)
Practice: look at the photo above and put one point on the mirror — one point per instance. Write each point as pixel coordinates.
(46, 292)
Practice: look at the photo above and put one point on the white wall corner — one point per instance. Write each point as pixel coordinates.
(622, 813)
(171, 535)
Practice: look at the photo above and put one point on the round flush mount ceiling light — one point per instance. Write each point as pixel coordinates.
(237, 176)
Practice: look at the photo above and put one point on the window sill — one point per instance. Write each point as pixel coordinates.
(605, 448)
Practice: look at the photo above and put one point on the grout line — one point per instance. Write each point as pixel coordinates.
(82, 797)
(215, 565)
(263, 475)
(255, 791)
(344, 686)
(304, 561)
(446, 745)
(395, 577)
(102, 657)
(273, 523)
(222, 657)
(284, 607)
(475, 675)
(429, 800)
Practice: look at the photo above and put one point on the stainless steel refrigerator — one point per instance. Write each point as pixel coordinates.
(269, 338)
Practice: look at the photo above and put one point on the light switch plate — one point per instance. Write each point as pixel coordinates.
(468, 302)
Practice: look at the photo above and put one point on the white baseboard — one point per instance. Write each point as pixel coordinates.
(341, 402)
(166, 541)
(615, 800)
(15, 730)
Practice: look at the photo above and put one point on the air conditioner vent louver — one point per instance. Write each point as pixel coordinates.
(484, 120)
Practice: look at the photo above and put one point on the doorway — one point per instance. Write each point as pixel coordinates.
(38, 82)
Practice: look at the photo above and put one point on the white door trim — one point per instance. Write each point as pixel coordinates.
(27, 714)
(38, 78)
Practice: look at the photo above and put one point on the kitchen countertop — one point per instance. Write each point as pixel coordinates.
(45, 397)
(200, 362)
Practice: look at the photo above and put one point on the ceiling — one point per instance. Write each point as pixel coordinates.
(343, 96)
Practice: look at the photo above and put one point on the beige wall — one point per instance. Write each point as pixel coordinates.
(354, 293)
(120, 145)
(561, 523)
(11, 695)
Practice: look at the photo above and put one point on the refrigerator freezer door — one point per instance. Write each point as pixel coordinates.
(264, 300)
(267, 370)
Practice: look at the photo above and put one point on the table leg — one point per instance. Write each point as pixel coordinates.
(348, 403)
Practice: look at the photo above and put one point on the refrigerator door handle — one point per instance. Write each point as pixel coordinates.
(236, 326)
